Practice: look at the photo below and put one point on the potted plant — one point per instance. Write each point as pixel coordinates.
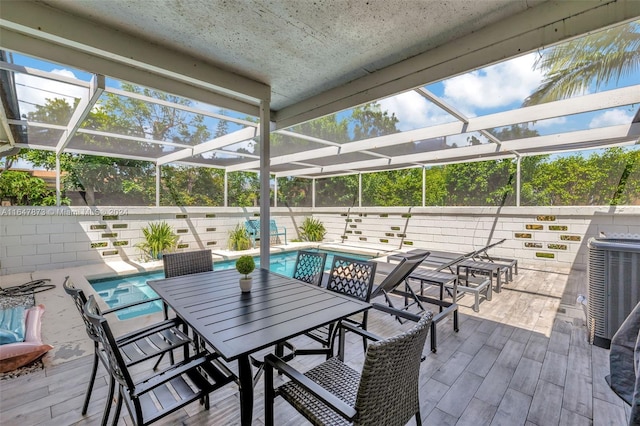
(312, 230)
(245, 265)
(239, 238)
(159, 238)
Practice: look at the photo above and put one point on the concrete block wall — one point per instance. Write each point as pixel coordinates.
(40, 238)
(544, 236)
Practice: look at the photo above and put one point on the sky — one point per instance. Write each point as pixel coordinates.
(492, 89)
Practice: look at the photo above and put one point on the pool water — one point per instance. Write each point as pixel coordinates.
(122, 290)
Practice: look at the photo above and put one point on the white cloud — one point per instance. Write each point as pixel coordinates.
(414, 111)
(499, 85)
(32, 90)
(611, 118)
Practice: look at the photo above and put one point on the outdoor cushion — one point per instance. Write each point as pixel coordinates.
(14, 355)
(12, 323)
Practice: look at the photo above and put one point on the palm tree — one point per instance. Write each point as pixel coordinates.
(597, 58)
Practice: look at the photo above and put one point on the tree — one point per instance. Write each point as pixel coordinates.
(26, 190)
(119, 181)
(595, 59)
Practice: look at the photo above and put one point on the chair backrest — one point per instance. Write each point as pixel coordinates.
(388, 391)
(483, 251)
(80, 300)
(406, 266)
(252, 226)
(188, 262)
(112, 356)
(309, 266)
(352, 277)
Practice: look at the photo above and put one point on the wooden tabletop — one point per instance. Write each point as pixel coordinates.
(237, 324)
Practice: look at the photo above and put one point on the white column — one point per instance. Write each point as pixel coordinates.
(265, 161)
(313, 193)
(359, 189)
(518, 172)
(275, 192)
(226, 189)
(424, 186)
(58, 190)
(157, 185)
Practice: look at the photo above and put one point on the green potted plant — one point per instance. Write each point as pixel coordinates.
(239, 238)
(245, 265)
(312, 230)
(159, 238)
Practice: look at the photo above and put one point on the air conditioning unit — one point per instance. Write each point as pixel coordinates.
(613, 276)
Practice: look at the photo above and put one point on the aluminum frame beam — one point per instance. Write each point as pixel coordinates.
(81, 112)
(540, 26)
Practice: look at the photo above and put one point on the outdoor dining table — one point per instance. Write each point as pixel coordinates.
(237, 324)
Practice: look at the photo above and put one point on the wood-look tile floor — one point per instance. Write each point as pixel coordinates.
(523, 359)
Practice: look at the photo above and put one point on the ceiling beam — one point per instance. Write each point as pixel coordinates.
(587, 103)
(51, 34)
(82, 111)
(180, 107)
(540, 26)
(226, 140)
(452, 111)
(489, 151)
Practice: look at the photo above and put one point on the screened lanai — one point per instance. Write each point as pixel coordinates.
(252, 99)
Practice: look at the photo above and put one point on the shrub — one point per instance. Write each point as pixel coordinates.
(239, 238)
(312, 230)
(245, 265)
(159, 238)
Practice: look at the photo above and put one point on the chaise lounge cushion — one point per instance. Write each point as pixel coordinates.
(12, 323)
(15, 355)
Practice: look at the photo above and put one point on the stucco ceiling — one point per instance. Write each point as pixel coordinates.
(300, 48)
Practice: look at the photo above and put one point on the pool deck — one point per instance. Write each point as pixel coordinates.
(69, 338)
(523, 359)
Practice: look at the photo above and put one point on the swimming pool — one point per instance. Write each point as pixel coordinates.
(121, 290)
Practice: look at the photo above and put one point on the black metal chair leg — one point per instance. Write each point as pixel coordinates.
(92, 379)
(107, 406)
(269, 396)
(116, 415)
(418, 419)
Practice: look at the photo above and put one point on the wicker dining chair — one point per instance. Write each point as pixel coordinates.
(188, 262)
(185, 263)
(351, 277)
(332, 393)
(140, 345)
(309, 266)
(155, 396)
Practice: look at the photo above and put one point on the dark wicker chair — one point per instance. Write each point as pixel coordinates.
(188, 262)
(151, 398)
(185, 263)
(332, 393)
(309, 267)
(352, 277)
(152, 341)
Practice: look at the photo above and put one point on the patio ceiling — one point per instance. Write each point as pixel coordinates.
(307, 60)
